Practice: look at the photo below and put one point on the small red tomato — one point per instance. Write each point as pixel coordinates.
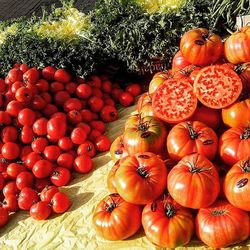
(87, 115)
(134, 89)
(24, 179)
(48, 193)
(40, 184)
(26, 117)
(41, 210)
(60, 203)
(78, 136)
(10, 189)
(10, 150)
(52, 152)
(16, 85)
(27, 198)
(10, 203)
(126, 99)
(2, 181)
(60, 115)
(56, 128)
(40, 126)
(14, 107)
(116, 93)
(74, 116)
(42, 85)
(87, 148)
(49, 110)
(65, 143)
(31, 76)
(25, 151)
(72, 104)
(24, 67)
(94, 134)
(42, 169)
(14, 169)
(109, 114)
(27, 135)
(83, 164)
(65, 160)
(31, 159)
(109, 102)
(61, 97)
(61, 75)
(38, 103)
(106, 86)
(70, 87)
(84, 91)
(5, 118)
(15, 75)
(47, 97)
(60, 176)
(85, 126)
(102, 143)
(39, 144)
(97, 92)
(95, 81)
(98, 125)
(4, 216)
(95, 103)
(24, 95)
(80, 80)
(48, 73)
(9, 134)
(56, 87)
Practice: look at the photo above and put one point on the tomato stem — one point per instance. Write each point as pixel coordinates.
(194, 169)
(246, 166)
(218, 212)
(142, 172)
(170, 210)
(192, 133)
(246, 134)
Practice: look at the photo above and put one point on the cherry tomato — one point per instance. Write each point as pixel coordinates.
(102, 143)
(4, 216)
(74, 116)
(48, 193)
(5, 118)
(48, 73)
(38, 103)
(98, 125)
(14, 107)
(31, 159)
(10, 203)
(84, 91)
(61, 75)
(27, 134)
(56, 87)
(9, 134)
(24, 67)
(87, 148)
(25, 151)
(10, 189)
(2, 182)
(109, 113)
(42, 169)
(61, 97)
(26, 117)
(16, 85)
(126, 99)
(70, 87)
(24, 179)
(14, 169)
(78, 136)
(31, 76)
(56, 128)
(24, 95)
(134, 89)
(40, 184)
(15, 75)
(10, 150)
(41, 210)
(106, 86)
(51, 152)
(60, 176)
(42, 85)
(87, 115)
(83, 164)
(49, 110)
(95, 81)
(40, 126)
(60, 203)
(85, 126)
(39, 144)
(95, 103)
(65, 160)
(94, 134)
(97, 92)
(65, 143)
(27, 198)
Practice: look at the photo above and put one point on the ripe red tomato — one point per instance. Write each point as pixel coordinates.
(167, 224)
(98, 125)
(52, 152)
(106, 86)
(87, 148)
(201, 47)
(146, 134)
(87, 115)
(39, 144)
(237, 115)
(83, 164)
(134, 89)
(26, 117)
(3, 85)
(56, 128)
(15, 75)
(117, 149)
(174, 101)
(14, 169)
(31, 76)
(56, 87)
(42, 169)
(16, 85)
(31, 159)
(84, 91)
(61, 97)
(48, 193)
(9, 134)
(74, 116)
(95, 81)
(65, 143)
(85, 126)
(10, 189)
(27, 135)
(217, 86)
(41, 210)
(48, 73)
(78, 136)
(24, 95)
(61, 75)
(60, 203)
(40, 184)
(4, 216)
(14, 107)
(179, 62)
(192, 172)
(72, 104)
(47, 97)
(109, 113)
(116, 92)
(95, 104)
(65, 160)
(232, 221)
(38, 103)
(5, 118)
(126, 99)
(191, 137)
(141, 178)
(10, 203)
(42, 85)
(2, 181)
(49, 110)
(71, 87)
(27, 198)
(24, 179)
(40, 126)
(102, 143)
(116, 219)
(60, 176)
(10, 150)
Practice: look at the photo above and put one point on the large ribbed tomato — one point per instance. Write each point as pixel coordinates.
(237, 185)
(191, 137)
(243, 70)
(201, 47)
(222, 225)
(237, 46)
(116, 219)
(194, 182)
(146, 134)
(237, 114)
(167, 224)
(144, 105)
(117, 149)
(234, 145)
(141, 178)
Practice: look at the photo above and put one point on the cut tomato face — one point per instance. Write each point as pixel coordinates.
(217, 86)
(174, 101)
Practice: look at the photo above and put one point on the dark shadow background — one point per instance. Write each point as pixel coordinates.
(17, 8)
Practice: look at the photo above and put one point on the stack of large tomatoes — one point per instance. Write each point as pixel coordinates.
(51, 124)
(182, 165)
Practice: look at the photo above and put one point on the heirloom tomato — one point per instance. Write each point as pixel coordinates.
(117, 149)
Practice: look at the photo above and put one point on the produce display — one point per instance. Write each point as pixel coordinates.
(184, 157)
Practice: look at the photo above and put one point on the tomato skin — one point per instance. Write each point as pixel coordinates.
(117, 149)
(40, 126)
(141, 178)
(111, 177)
(200, 47)
(10, 189)
(237, 115)
(5, 118)
(86, 148)
(48, 73)
(61, 75)
(235, 45)
(2, 182)
(60, 177)
(83, 164)
(48, 193)
(78, 136)
(106, 86)
(71, 87)
(95, 81)
(60, 203)
(27, 198)
(24, 179)
(93, 135)
(56, 87)
(42, 169)
(61, 97)
(39, 144)
(146, 134)
(102, 143)
(56, 128)
(10, 203)
(234, 145)
(84, 91)
(40, 184)
(109, 113)
(24, 95)
(31, 76)
(14, 107)
(9, 134)
(14, 169)
(116, 219)
(27, 134)
(10, 150)
(192, 172)
(52, 152)
(236, 186)
(72, 104)
(4, 217)
(65, 143)
(167, 224)
(218, 215)
(191, 137)
(41, 210)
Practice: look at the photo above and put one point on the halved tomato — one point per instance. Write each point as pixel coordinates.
(174, 101)
(217, 86)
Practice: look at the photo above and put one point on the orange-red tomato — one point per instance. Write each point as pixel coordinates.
(157, 80)
(234, 145)
(179, 62)
(222, 225)
(191, 137)
(117, 149)
(194, 182)
(201, 47)
(141, 178)
(167, 224)
(237, 185)
(235, 46)
(237, 114)
(116, 219)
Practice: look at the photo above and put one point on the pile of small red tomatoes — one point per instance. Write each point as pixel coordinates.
(50, 125)
(182, 165)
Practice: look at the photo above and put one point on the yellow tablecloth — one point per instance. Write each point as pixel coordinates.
(73, 229)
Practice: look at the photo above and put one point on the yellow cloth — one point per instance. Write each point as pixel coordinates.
(73, 229)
